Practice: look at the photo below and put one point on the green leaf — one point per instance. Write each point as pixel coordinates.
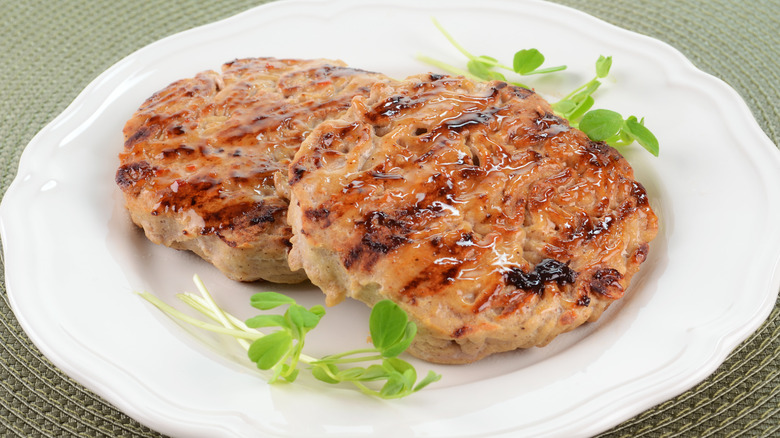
(318, 310)
(374, 372)
(267, 321)
(588, 90)
(603, 64)
(430, 378)
(351, 374)
(642, 135)
(270, 349)
(581, 108)
(601, 124)
(387, 324)
(564, 107)
(483, 71)
(269, 300)
(393, 364)
(400, 380)
(289, 374)
(625, 137)
(410, 376)
(403, 343)
(393, 387)
(527, 60)
(302, 317)
(320, 373)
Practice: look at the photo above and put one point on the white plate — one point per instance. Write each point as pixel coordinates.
(73, 259)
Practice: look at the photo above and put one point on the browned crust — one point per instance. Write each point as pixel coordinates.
(494, 224)
(205, 160)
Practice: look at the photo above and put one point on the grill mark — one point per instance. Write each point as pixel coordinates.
(248, 218)
(250, 212)
(129, 174)
(545, 125)
(599, 154)
(521, 92)
(177, 152)
(393, 106)
(320, 215)
(431, 279)
(141, 134)
(434, 278)
(380, 234)
(296, 173)
(182, 194)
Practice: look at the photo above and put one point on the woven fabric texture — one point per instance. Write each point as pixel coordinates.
(51, 50)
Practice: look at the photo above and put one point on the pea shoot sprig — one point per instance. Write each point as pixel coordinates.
(526, 62)
(598, 124)
(376, 371)
(603, 124)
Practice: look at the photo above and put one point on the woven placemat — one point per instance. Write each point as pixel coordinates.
(52, 50)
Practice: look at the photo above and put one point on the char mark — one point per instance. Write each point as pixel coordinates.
(177, 152)
(246, 217)
(296, 172)
(129, 174)
(583, 301)
(606, 282)
(183, 194)
(176, 130)
(547, 271)
(460, 331)
(521, 92)
(381, 234)
(317, 214)
(392, 107)
(139, 135)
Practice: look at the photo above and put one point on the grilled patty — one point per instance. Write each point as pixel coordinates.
(487, 218)
(204, 165)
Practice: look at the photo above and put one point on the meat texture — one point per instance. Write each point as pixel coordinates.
(204, 166)
(487, 218)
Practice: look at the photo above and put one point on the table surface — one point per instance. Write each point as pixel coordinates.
(51, 50)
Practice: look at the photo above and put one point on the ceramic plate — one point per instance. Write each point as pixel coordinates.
(73, 260)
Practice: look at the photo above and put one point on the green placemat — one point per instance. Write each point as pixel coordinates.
(52, 50)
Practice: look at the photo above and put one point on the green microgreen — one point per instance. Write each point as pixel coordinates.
(280, 352)
(391, 334)
(525, 62)
(599, 124)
